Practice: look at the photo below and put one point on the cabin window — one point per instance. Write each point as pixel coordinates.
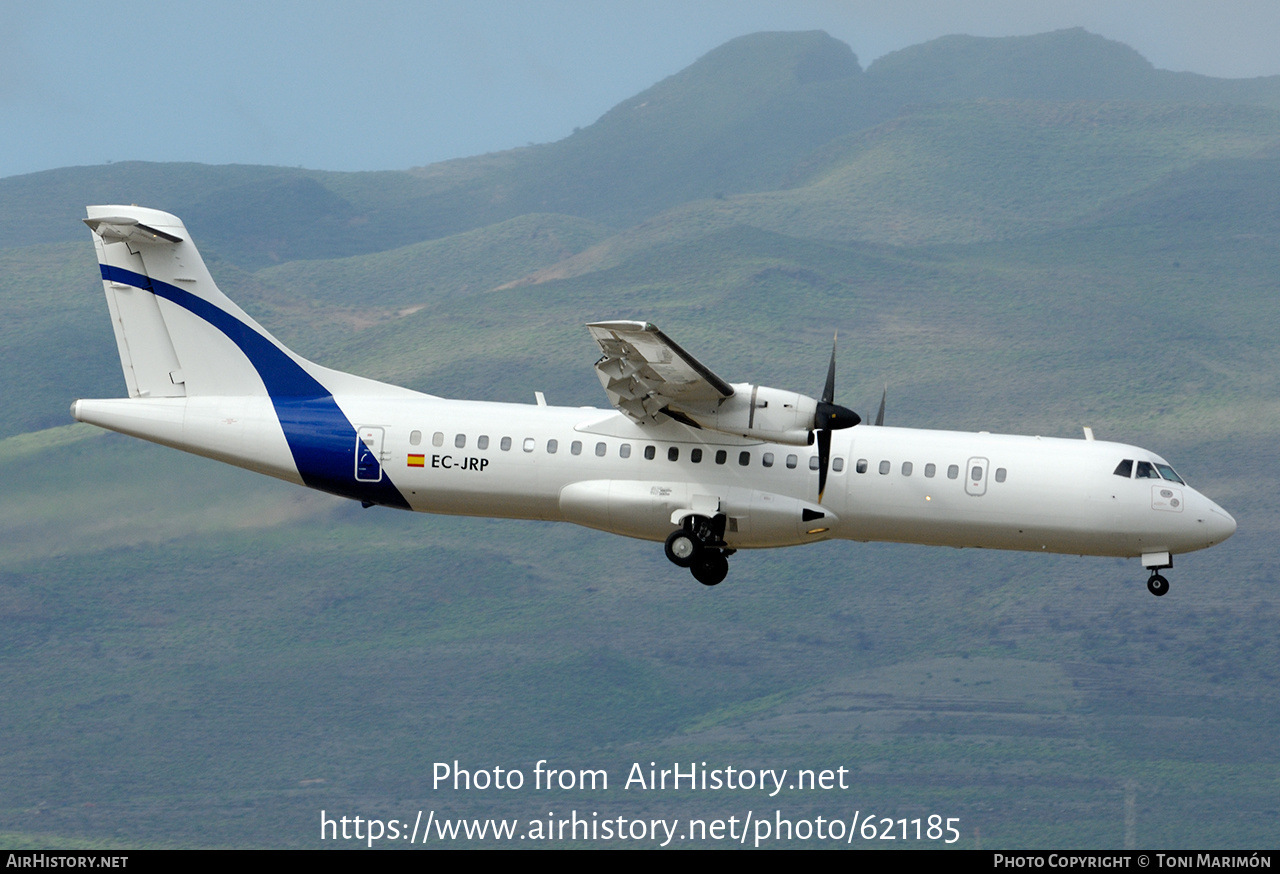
(837, 464)
(792, 461)
(930, 470)
(552, 446)
(695, 455)
(1167, 472)
(415, 438)
(976, 473)
(460, 441)
(1124, 468)
(721, 456)
(529, 443)
(861, 466)
(744, 458)
(907, 467)
(600, 450)
(437, 439)
(505, 444)
(575, 448)
(673, 453)
(884, 468)
(953, 471)
(767, 459)
(1147, 470)
(650, 453)
(813, 462)
(624, 451)
(482, 442)
(1001, 473)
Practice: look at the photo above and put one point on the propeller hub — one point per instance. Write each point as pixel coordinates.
(833, 417)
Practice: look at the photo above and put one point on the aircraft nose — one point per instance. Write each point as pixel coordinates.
(1220, 523)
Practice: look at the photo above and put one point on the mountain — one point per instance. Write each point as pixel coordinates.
(1064, 65)
(740, 119)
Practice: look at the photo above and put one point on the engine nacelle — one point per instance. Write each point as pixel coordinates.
(762, 413)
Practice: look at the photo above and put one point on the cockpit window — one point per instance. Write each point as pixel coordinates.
(1147, 470)
(1125, 468)
(1167, 472)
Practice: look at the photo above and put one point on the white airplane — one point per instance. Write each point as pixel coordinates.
(685, 458)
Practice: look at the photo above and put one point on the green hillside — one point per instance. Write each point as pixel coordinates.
(1025, 235)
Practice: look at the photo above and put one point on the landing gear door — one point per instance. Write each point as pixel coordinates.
(369, 455)
(976, 477)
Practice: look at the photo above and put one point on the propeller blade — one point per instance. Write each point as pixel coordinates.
(824, 459)
(829, 390)
(829, 416)
(880, 415)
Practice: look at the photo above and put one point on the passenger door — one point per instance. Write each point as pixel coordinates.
(976, 473)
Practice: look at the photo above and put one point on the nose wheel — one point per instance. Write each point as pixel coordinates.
(699, 546)
(1156, 562)
(1157, 585)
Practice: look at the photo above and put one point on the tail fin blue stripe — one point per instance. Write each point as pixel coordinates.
(320, 436)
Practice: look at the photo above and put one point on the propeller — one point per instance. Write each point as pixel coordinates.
(829, 417)
(880, 414)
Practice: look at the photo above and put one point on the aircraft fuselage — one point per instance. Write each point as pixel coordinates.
(597, 468)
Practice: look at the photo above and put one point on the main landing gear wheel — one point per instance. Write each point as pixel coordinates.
(711, 567)
(681, 548)
(1157, 585)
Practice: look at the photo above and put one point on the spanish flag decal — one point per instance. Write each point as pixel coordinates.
(417, 460)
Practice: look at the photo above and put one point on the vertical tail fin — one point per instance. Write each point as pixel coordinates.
(177, 334)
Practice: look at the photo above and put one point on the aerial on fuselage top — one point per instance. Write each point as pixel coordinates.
(685, 458)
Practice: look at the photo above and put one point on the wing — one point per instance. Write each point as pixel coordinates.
(645, 374)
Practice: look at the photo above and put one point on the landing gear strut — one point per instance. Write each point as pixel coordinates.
(699, 546)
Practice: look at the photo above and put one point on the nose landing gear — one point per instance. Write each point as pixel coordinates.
(1156, 562)
(1156, 584)
(700, 547)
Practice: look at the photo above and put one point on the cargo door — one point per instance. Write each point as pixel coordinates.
(369, 454)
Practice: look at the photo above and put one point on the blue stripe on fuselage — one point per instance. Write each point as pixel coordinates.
(320, 436)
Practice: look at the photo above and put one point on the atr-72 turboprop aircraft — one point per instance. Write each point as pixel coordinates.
(685, 458)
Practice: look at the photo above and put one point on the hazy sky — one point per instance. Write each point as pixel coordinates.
(386, 85)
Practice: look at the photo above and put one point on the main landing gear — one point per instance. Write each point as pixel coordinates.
(699, 546)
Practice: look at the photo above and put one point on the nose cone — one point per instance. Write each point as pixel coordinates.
(834, 417)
